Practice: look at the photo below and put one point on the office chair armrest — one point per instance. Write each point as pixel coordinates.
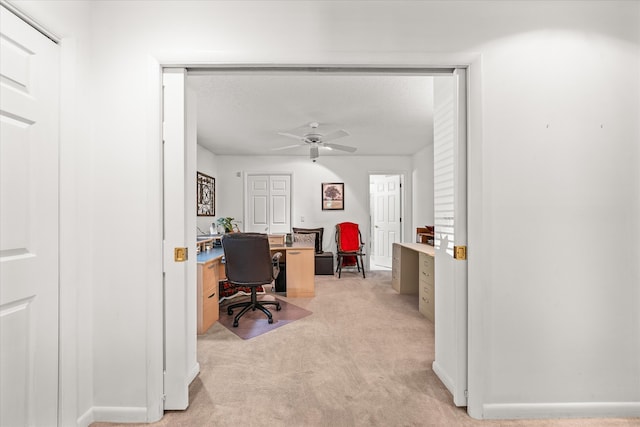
(275, 260)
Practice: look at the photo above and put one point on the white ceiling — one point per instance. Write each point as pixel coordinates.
(242, 113)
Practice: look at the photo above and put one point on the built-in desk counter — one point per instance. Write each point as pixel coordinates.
(413, 273)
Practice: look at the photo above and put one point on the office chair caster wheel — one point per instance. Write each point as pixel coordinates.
(229, 312)
(270, 320)
(278, 308)
(235, 324)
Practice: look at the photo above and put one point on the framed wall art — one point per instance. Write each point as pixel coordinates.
(205, 195)
(332, 196)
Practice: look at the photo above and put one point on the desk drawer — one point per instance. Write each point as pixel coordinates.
(426, 266)
(276, 239)
(210, 310)
(210, 277)
(426, 303)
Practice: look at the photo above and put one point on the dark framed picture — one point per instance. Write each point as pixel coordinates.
(332, 196)
(205, 195)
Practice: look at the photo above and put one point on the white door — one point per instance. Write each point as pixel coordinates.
(450, 218)
(268, 204)
(179, 216)
(385, 199)
(257, 215)
(29, 116)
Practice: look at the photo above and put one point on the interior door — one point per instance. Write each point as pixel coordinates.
(450, 218)
(280, 201)
(268, 203)
(385, 196)
(29, 190)
(179, 217)
(257, 204)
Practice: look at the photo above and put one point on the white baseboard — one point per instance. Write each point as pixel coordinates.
(194, 373)
(561, 410)
(446, 379)
(85, 419)
(117, 414)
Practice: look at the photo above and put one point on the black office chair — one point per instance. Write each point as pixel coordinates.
(248, 262)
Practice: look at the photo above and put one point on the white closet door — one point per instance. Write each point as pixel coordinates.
(257, 204)
(280, 199)
(29, 193)
(268, 207)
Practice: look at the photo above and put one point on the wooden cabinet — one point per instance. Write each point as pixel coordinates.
(426, 303)
(300, 272)
(404, 270)
(395, 267)
(209, 274)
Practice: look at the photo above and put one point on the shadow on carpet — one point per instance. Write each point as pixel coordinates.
(255, 323)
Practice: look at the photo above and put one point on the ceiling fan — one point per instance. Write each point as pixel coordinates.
(314, 139)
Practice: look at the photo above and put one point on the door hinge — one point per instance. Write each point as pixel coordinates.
(466, 393)
(460, 252)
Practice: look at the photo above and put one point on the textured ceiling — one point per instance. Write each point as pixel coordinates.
(242, 113)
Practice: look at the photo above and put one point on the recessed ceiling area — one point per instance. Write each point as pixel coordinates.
(242, 113)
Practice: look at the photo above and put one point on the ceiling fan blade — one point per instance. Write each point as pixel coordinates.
(313, 152)
(334, 135)
(287, 147)
(290, 135)
(341, 147)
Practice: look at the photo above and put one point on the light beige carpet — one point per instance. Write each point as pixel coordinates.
(362, 358)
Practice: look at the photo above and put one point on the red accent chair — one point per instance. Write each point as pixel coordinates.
(350, 247)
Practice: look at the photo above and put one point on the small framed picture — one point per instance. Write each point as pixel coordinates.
(205, 195)
(332, 196)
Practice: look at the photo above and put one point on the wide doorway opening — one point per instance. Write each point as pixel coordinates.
(391, 231)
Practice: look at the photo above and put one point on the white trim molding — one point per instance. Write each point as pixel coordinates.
(561, 410)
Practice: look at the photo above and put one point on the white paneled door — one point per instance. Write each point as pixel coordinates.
(268, 203)
(29, 146)
(385, 210)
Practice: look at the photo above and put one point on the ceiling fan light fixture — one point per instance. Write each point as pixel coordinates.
(316, 139)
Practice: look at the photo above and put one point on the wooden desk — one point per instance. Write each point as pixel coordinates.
(299, 257)
(413, 273)
(210, 272)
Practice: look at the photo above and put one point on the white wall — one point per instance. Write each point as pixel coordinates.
(207, 164)
(422, 190)
(555, 299)
(306, 187)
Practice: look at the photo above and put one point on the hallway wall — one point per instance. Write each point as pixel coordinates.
(555, 299)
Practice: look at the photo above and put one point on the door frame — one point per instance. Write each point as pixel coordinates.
(365, 62)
